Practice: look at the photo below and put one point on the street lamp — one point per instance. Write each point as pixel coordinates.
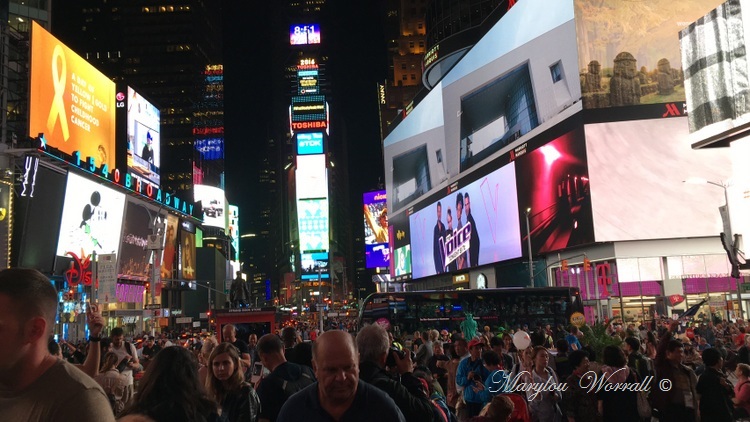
(528, 241)
(727, 237)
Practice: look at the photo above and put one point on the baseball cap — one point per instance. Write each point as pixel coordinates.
(475, 342)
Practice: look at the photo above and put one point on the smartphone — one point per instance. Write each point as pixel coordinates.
(256, 374)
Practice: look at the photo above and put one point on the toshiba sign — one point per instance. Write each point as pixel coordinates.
(316, 124)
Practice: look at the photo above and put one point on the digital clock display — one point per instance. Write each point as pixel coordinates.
(304, 34)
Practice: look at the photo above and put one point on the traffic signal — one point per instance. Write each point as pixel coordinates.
(730, 246)
(564, 265)
(586, 265)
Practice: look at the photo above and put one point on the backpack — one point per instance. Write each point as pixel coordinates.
(291, 387)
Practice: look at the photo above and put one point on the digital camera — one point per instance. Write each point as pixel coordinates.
(391, 361)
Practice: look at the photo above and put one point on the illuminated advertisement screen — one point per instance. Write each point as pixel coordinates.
(307, 108)
(170, 248)
(307, 82)
(643, 196)
(377, 252)
(402, 262)
(310, 262)
(144, 140)
(91, 219)
(304, 34)
(233, 231)
(309, 143)
(553, 181)
(210, 148)
(187, 255)
(311, 176)
(134, 257)
(214, 202)
(312, 218)
(475, 225)
(630, 56)
(70, 101)
(518, 80)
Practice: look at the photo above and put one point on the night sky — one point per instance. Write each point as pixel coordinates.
(355, 42)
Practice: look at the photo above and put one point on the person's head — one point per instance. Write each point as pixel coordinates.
(540, 357)
(675, 351)
(712, 358)
(54, 349)
(434, 335)
(271, 351)
(225, 372)
(437, 348)
(383, 218)
(579, 361)
(229, 333)
(476, 347)
(109, 361)
(467, 204)
(209, 344)
(439, 211)
(289, 336)
(614, 357)
(28, 304)
(500, 409)
(336, 368)
(252, 340)
(574, 330)
(459, 204)
(491, 360)
(742, 371)
(632, 345)
(561, 345)
(118, 337)
(170, 389)
(150, 341)
(425, 336)
(496, 344)
(373, 344)
(449, 218)
(461, 347)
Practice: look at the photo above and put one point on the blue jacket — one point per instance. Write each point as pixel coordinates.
(464, 367)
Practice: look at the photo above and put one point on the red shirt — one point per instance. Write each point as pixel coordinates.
(742, 394)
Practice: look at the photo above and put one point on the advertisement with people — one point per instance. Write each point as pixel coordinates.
(144, 141)
(377, 252)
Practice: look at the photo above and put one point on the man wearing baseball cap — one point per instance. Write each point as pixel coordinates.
(470, 372)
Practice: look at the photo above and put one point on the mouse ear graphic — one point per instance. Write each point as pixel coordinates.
(96, 197)
(86, 214)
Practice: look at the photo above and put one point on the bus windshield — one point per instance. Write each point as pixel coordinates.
(500, 309)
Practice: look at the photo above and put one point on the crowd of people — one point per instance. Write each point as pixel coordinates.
(669, 371)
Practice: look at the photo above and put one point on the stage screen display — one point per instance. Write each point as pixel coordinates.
(553, 181)
(214, 202)
(311, 177)
(312, 218)
(637, 169)
(309, 143)
(377, 252)
(187, 255)
(91, 219)
(475, 225)
(519, 80)
(135, 259)
(144, 140)
(309, 263)
(233, 230)
(629, 55)
(170, 248)
(304, 34)
(70, 101)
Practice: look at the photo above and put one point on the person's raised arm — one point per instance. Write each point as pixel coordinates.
(93, 356)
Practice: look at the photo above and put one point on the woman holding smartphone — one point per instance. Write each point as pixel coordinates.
(226, 385)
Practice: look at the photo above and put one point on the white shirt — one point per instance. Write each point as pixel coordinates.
(121, 352)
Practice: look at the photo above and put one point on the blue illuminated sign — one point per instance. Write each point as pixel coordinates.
(309, 143)
(210, 148)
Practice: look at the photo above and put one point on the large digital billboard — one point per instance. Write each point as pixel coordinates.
(716, 77)
(311, 177)
(312, 219)
(214, 204)
(187, 255)
(309, 143)
(629, 55)
(473, 225)
(304, 34)
(307, 82)
(91, 218)
(233, 230)
(135, 258)
(70, 102)
(170, 248)
(377, 252)
(307, 108)
(314, 265)
(519, 80)
(637, 169)
(144, 140)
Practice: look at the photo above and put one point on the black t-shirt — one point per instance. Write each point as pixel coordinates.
(149, 352)
(242, 347)
(285, 380)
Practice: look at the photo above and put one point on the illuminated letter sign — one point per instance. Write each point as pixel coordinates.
(31, 164)
(319, 124)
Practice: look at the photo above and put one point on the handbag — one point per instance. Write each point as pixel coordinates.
(644, 407)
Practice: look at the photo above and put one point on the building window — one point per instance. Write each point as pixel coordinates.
(421, 44)
(404, 77)
(411, 44)
(403, 66)
(556, 71)
(413, 77)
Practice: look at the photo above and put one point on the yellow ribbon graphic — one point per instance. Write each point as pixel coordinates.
(57, 110)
